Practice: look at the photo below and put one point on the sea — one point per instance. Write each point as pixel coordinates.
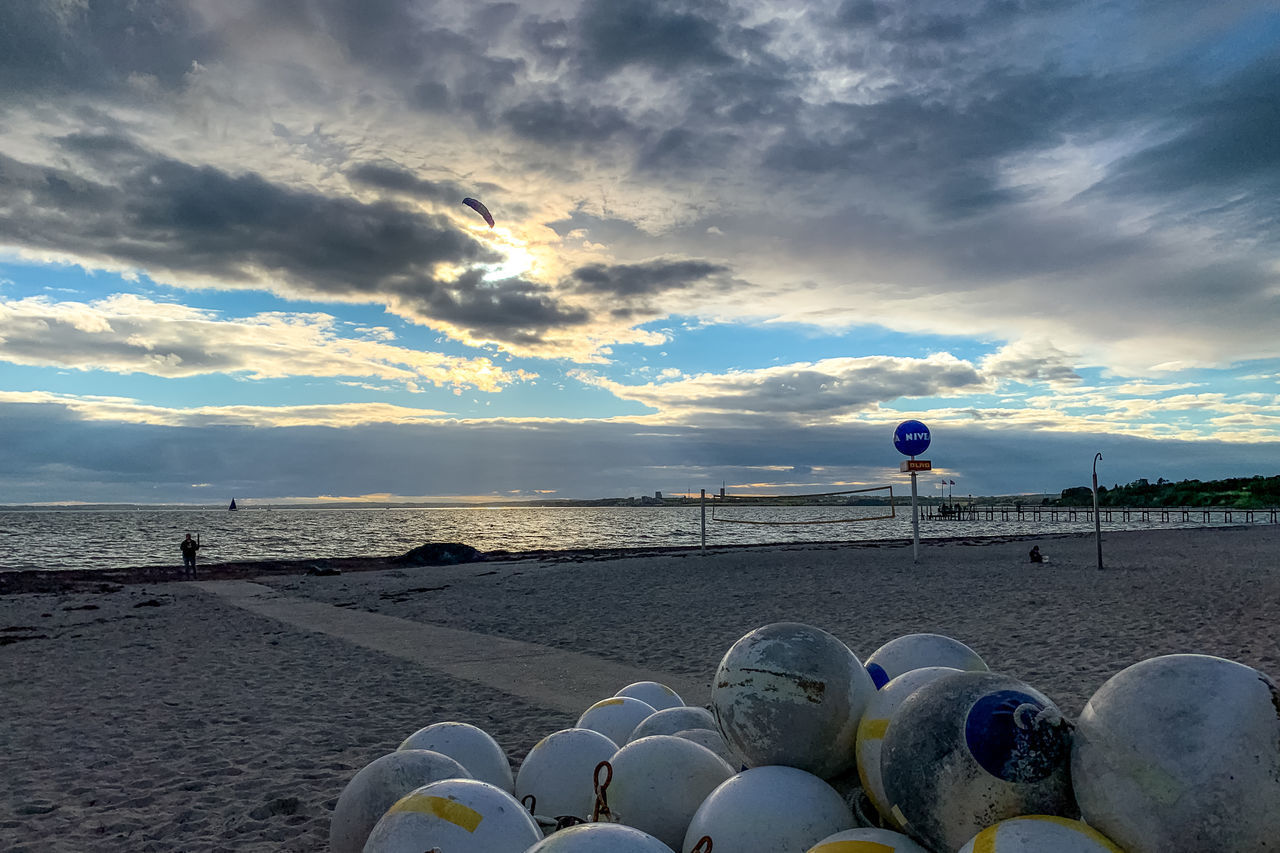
(87, 538)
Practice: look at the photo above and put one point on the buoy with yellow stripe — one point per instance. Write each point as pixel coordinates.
(457, 815)
(600, 838)
(768, 810)
(1040, 834)
(654, 693)
(913, 651)
(1182, 752)
(791, 694)
(970, 749)
(471, 746)
(659, 782)
(615, 717)
(559, 772)
(866, 839)
(377, 786)
(874, 725)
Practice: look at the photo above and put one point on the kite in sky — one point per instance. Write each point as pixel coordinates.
(480, 209)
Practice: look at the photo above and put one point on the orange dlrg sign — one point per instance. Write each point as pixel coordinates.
(916, 465)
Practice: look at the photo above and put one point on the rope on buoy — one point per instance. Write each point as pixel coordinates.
(602, 800)
(566, 820)
(698, 848)
(864, 810)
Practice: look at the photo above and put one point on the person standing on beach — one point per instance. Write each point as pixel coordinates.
(189, 548)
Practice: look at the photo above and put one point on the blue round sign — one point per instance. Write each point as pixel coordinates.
(911, 438)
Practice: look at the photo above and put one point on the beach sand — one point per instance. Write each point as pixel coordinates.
(165, 716)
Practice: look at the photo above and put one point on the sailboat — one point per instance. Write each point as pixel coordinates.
(233, 504)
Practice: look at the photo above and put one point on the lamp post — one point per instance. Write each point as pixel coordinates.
(1097, 519)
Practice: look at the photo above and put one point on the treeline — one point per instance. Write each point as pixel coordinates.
(1236, 492)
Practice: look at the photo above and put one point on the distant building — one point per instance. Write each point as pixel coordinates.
(657, 496)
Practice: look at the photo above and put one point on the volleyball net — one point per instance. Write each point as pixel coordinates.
(723, 507)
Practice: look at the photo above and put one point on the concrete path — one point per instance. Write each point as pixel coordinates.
(545, 676)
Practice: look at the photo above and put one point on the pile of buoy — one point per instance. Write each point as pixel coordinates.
(803, 748)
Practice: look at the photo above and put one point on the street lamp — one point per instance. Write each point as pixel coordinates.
(1097, 519)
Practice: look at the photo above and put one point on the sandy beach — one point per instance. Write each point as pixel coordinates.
(164, 715)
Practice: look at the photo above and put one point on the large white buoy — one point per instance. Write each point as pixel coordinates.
(615, 717)
(470, 746)
(1182, 753)
(874, 725)
(914, 651)
(769, 810)
(559, 772)
(457, 815)
(658, 783)
(377, 786)
(671, 720)
(969, 749)
(600, 838)
(865, 839)
(1040, 834)
(713, 741)
(652, 693)
(791, 694)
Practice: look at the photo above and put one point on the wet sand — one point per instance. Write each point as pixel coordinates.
(152, 714)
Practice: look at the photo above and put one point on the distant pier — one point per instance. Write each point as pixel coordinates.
(1158, 514)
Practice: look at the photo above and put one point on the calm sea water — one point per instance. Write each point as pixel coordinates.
(101, 538)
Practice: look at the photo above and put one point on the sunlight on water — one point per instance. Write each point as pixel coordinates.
(105, 539)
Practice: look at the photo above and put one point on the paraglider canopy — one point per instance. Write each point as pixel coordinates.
(480, 209)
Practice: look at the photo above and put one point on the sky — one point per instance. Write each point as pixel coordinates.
(735, 243)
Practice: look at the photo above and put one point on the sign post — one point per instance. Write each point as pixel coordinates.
(911, 438)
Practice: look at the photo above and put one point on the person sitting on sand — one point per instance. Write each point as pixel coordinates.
(189, 548)
(1036, 556)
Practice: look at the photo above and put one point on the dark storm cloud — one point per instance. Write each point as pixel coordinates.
(1225, 142)
(94, 47)
(162, 214)
(113, 462)
(947, 150)
(397, 180)
(554, 121)
(665, 36)
(439, 69)
(652, 278)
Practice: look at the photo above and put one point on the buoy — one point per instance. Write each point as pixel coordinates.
(1040, 834)
(470, 746)
(659, 782)
(615, 717)
(559, 772)
(867, 839)
(874, 724)
(914, 651)
(672, 720)
(652, 693)
(791, 694)
(600, 838)
(377, 786)
(713, 741)
(457, 815)
(768, 810)
(1182, 752)
(969, 749)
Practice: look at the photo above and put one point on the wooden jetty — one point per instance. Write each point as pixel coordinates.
(1161, 514)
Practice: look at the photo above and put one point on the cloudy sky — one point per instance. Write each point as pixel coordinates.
(736, 241)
